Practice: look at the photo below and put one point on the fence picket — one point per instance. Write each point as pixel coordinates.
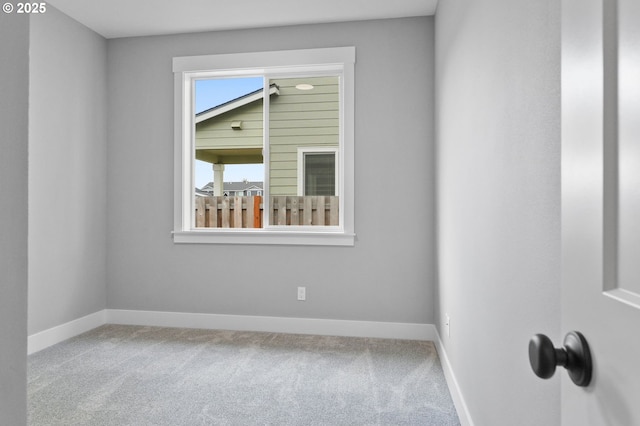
(333, 211)
(295, 210)
(320, 210)
(200, 209)
(282, 210)
(257, 211)
(237, 212)
(226, 213)
(249, 223)
(212, 212)
(307, 215)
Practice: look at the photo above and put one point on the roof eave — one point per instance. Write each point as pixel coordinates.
(236, 103)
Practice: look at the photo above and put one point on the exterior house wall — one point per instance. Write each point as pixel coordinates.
(387, 276)
(216, 132)
(300, 119)
(14, 87)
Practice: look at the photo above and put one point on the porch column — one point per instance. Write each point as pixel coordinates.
(218, 179)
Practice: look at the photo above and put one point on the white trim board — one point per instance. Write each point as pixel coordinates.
(452, 383)
(390, 330)
(43, 339)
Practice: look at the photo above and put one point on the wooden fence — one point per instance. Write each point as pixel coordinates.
(247, 212)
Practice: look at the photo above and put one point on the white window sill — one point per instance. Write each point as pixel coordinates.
(262, 237)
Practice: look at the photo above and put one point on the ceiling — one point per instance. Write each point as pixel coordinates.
(127, 18)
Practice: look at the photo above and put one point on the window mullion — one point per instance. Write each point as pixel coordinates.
(266, 200)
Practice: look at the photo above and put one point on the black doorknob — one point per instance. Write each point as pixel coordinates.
(575, 356)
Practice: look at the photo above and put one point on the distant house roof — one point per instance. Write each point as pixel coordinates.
(235, 103)
(234, 186)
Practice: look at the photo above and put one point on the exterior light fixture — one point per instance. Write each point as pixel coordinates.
(304, 86)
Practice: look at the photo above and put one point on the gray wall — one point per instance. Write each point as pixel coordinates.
(387, 276)
(67, 171)
(14, 87)
(498, 156)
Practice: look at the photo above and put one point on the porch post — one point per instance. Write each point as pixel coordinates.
(218, 179)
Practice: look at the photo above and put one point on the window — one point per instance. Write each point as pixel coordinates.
(318, 172)
(285, 120)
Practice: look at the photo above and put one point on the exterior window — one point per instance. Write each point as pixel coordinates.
(264, 145)
(318, 172)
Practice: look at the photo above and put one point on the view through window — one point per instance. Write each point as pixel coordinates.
(249, 174)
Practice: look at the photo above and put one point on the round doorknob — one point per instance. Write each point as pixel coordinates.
(575, 356)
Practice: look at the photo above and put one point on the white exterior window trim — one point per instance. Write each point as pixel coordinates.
(302, 151)
(187, 69)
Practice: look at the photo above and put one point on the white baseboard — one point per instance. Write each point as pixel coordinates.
(329, 327)
(38, 341)
(389, 330)
(454, 387)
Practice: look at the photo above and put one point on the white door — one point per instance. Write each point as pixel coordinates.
(601, 206)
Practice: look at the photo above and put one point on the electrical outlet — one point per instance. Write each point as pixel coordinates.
(447, 324)
(302, 293)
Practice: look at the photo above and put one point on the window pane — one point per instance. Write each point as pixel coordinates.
(228, 151)
(304, 119)
(319, 174)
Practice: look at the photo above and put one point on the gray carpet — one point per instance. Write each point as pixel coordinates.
(131, 375)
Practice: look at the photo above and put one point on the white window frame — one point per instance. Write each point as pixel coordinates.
(302, 151)
(330, 61)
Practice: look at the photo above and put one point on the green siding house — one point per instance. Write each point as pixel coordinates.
(304, 115)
